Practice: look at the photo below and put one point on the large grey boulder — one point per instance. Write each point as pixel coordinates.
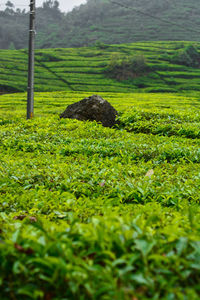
(93, 108)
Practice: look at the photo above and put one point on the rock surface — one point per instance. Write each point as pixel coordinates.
(93, 108)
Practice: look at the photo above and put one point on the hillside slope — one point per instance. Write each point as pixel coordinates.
(103, 21)
(107, 22)
(83, 69)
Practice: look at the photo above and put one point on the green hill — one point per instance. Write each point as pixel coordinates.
(84, 69)
(103, 21)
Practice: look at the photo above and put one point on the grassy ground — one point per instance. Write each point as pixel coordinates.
(88, 212)
(83, 69)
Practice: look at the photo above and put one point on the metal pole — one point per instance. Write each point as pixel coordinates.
(30, 91)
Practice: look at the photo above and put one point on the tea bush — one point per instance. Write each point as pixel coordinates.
(84, 69)
(88, 212)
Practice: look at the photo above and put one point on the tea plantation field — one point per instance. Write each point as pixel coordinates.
(88, 212)
(83, 69)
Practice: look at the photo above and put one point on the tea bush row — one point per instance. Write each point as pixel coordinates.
(110, 257)
(53, 67)
(88, 212)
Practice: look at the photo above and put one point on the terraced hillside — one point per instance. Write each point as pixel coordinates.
(88, 212)
(83, 69)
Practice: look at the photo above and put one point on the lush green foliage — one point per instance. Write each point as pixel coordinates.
(88, 212)
(84, 69)
(123, 68)
(103, 22)
(14, 24)
(188, 56)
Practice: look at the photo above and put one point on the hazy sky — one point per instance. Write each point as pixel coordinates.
(65, 5)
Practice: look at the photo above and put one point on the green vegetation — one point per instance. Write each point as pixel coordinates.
(102, 22)
(124, 68)
(14, 24)
(85, 69)
(188, 56)
(88, 212)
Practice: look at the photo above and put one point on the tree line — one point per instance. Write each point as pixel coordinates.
(99, 21)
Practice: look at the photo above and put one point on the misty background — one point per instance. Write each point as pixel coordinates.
(98, 22)
(65, 5)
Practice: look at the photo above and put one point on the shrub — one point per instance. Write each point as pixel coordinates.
(47, 57)
(101, 46)
(123, 68)
(189, 56)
